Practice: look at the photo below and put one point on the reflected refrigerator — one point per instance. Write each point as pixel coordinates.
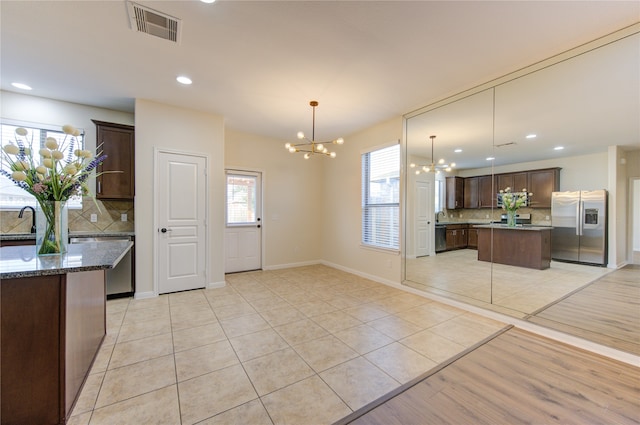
(579, 221)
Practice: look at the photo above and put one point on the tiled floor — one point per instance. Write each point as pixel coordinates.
(511, 290)
(306, 346)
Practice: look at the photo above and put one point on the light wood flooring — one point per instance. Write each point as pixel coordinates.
(517, 378)
(607, 311)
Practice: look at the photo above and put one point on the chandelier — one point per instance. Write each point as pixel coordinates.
(433, 167)
(311, 147)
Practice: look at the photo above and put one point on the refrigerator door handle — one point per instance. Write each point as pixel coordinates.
(578, 227)
(581, 218)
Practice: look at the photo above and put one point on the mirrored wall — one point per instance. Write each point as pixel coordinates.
(561, 117)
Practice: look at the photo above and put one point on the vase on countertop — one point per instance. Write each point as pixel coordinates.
(52, 227)
(511, 218)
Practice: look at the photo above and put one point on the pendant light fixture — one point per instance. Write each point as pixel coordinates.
(309, 146)
(441, 165)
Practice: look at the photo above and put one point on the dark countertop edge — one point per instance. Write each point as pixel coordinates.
(28, 236)
(505, 227)
(466, 223)
(50, 272)
(104, 259)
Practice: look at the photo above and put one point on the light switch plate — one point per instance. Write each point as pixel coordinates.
(123, 217)
(94, 218)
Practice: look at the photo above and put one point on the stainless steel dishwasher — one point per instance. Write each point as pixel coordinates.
(441, 237)
(119, 279)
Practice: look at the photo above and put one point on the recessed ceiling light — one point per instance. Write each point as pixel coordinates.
(558, 148)
(458, 150)
(531, 136)
(184, 80)
(207, 1)
(21, 86)
(491, 158)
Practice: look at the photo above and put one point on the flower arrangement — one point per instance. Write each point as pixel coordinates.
(512, 201)
(61, 173)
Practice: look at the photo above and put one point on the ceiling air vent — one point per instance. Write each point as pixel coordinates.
(152, 22)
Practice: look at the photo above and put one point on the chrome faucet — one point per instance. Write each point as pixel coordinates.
(438, 216)
(33, 217)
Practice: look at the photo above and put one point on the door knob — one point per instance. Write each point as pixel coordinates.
(258, 226)
(165, 230)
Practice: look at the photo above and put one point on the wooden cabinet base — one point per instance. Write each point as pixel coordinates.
(51, 329)
(523, 248)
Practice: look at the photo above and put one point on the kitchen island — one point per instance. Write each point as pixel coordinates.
(523, 246)
(52, 323)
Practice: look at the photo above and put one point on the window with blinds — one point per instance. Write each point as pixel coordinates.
(11, 196)
(381, 198)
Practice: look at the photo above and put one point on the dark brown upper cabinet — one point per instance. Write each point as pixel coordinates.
(117, 141)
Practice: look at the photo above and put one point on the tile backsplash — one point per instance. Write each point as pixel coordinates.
(539, 216)
(108, 213)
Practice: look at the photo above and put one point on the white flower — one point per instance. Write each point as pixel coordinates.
(70, 169)
(19, 176)
(69, 129)
(48, 162)
(45, 153)
(57, 154)
(21, 131)
(51, 143)
(21, 165)
(11, 149)
(41, 169)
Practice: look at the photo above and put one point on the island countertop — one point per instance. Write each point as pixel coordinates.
(22, 261)
(525, 227)
(74, 234)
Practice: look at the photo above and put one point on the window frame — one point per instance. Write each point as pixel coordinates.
(29, 200)
(367, 205)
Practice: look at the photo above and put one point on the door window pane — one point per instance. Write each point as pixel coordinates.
(241, 199)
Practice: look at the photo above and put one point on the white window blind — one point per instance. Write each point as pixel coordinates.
(381, 197)
(11, 196)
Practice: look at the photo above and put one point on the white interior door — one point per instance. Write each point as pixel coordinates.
(424, 208)
(181, 189)
(243, 233)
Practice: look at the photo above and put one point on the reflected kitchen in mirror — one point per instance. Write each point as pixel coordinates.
(566, 124)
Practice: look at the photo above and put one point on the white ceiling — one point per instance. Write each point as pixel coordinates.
(259, 63)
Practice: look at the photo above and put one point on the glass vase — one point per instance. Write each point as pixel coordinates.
(52, 227)
(511, 218)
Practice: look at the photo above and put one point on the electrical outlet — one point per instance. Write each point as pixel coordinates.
(123, 217)
(94, 218)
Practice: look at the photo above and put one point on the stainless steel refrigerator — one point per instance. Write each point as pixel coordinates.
(579, 221)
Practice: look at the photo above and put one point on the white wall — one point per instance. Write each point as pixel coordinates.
(40, 110)
(182, 130)
(572, 173)
(342, 207)
(292, 197)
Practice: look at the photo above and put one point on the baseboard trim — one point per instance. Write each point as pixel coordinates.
(144, 295)
(292, 265)
(215, 285)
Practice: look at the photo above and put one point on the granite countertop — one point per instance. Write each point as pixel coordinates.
(22, 261)
(527, 227)
(28, 236)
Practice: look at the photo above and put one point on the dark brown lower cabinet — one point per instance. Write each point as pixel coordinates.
(472, 238)
(523, 248)
(51, 329)
(456, 235)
